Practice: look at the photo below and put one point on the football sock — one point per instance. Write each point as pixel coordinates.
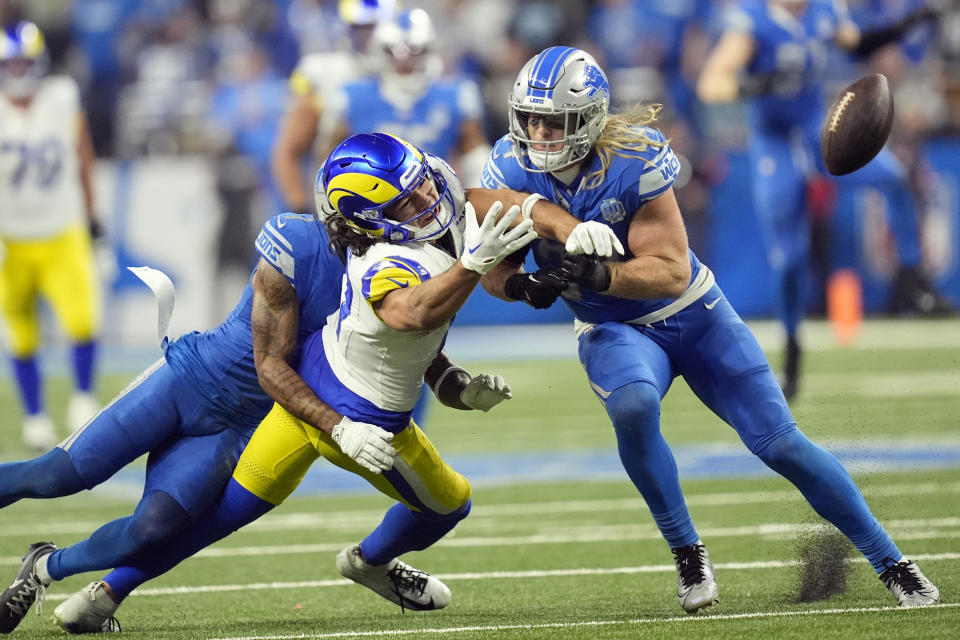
(831, 492)
(27, 374)
(235, 507)
(49, 476)
(635, 411)
(403, 530)
(84, 356)
(156, 518)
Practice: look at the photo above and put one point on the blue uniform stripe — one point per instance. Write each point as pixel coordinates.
(543, 76)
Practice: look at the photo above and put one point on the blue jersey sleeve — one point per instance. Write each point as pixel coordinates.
(502, 170)
(289, 242)
(647, 174)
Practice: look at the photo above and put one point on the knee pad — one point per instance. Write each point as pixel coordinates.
(634, 409)
(157, 518)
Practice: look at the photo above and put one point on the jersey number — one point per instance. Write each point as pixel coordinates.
(43, 159)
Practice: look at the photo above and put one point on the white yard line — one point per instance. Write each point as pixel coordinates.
(491, 575)
(703, 618)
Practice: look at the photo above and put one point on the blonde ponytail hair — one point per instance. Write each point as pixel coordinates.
(621, 136)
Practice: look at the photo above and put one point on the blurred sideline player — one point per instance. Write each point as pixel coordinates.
(775, 52)
(46, 222)
(407, 97)
(404, 217)
(308, 125)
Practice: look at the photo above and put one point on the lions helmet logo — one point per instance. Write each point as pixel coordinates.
(595, 81)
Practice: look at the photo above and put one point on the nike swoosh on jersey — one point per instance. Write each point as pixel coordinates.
(711, 305)
(281, 222)
(402, 285)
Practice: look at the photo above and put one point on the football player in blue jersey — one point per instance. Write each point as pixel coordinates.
(409, 98)
(776, 53)
(402, 218)
(193, 411)
(655, 313)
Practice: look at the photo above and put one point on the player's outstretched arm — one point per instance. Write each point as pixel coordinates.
(660, 267)
(275, 320)
(551, 221)
(433, 303)
(456, 388)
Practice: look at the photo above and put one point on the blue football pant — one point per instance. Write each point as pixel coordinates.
(631, 367)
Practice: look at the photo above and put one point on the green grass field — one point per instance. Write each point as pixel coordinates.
(581, 558)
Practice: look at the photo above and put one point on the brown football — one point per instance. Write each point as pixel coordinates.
(857, 125)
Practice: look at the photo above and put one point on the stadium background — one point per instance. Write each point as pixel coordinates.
(184, 99)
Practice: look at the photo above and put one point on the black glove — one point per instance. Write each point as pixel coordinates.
(588, 271)
(539, 289)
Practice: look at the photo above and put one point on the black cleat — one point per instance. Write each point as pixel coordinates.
(26, 587)
(914, 295)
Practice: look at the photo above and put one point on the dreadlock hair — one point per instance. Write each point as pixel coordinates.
(344, 237)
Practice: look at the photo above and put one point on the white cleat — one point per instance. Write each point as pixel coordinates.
(696, 585)
(82, 407)
(39, 434)
(396, 581)
(908, 584)
(89, 610)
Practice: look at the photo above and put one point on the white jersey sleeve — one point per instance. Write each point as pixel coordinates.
(373, 360)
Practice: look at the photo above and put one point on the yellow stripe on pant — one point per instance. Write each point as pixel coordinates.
(283, 448)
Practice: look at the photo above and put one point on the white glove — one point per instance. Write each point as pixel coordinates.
(367, 444)
(594, 238)
(485, 391)
(484, 246)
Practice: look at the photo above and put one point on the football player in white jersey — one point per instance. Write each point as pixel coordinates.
(410, 98)
(414, 253)
(46, 222)
(308, 124)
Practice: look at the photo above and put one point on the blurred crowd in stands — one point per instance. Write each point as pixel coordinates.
(176, 77)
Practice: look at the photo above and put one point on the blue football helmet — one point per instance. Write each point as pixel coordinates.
(568, 89)
(23, 59)
(368, 173)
